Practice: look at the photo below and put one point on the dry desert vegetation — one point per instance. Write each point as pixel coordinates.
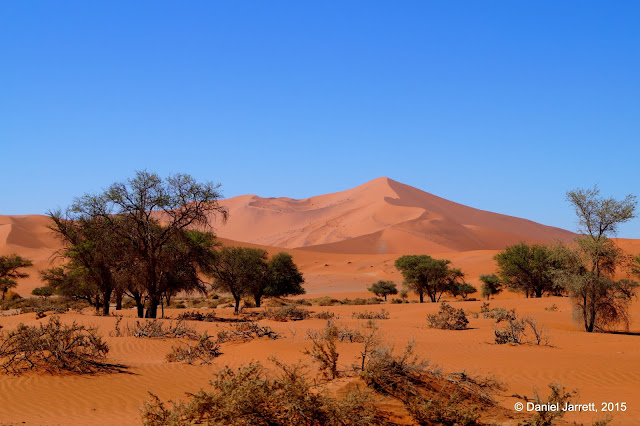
(128, 309)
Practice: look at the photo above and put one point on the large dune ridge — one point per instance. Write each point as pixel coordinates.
(381, 216)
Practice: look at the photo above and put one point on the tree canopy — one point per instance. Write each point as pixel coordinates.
(527, 269)
(491, 285)
(589, 265)
(11, 270)
(245, 271)
(426, 275)
(383, 288)
(283, 277)
(151, 222)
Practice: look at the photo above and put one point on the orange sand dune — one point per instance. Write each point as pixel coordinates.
(381, 216)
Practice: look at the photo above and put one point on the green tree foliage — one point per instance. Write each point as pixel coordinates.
(10, 271)
(589, 266)
(426, 275)
(148, 218)
(43, 292)
(491, 285)
(527, 269)
(240, 271)
(462, 289)
(383, 288)
(283, 277)
(70, 283)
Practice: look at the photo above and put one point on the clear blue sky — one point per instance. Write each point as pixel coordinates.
(502, 106)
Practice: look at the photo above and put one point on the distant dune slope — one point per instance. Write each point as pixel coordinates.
(381, 216)
(343, 241)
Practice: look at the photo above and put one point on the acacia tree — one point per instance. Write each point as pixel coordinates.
(383, 288)
(240, 271)
(590, 265)
(148, 213)
(426, 275)
(10, 271)
(527, 268)
(283, 277)
(491, 285)
(93, 254)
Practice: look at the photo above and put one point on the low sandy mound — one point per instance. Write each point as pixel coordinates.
(380, 216)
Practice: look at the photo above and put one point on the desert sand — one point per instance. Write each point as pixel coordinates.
(342, 242)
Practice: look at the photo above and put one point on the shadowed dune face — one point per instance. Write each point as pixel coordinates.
(381, 216)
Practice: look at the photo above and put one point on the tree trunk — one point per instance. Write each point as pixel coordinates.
(421, 296)
(237, 305)
(106, 300)
(257, 298)
(152, 309)
(119, 296)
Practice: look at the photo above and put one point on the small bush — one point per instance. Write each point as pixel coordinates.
(325, 315)
(500, 314)
(397, 301)
(362, 301)
(285, 313)
(326, 301)
(197, 316)
(371, 315)
(552, 308)
(246, 331)
(448, 318)
(512, 333)
(558, 395)
(323, 349)
(202, 352)
(53, 347)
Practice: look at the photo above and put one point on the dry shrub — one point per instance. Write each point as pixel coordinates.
(371, 315)
(515, 331)
(330, 301)
(203, 352)
(53, 347)
(500, 314)
(448, 318)
(512, 333)
(558, 395)
(540, 334)
(552, 308)
(285, 314)
(157, 329)
(249, 396)
(323, 349)
(197, 316)
(325, 315)
(246, 331)
(429, 396)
